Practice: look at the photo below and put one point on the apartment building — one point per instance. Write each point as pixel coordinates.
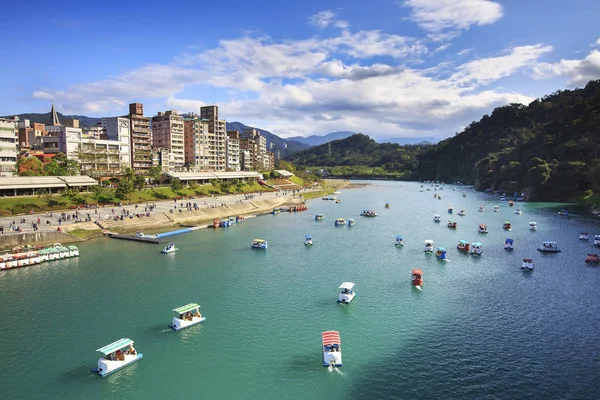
(197, 151)
(8, 146)
(117, 129)
(233, 151)
(168, 133)
(252, 138)
(217, 137)
(141, 138)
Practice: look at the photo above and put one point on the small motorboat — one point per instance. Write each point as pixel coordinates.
(114, 357)
(437, 218)
(463, 245)
(518, 211)
(549, 247)
(260, 244)
(506, 225)
(563, 213)
(509, 244)
(368, 213)
(452, 224)
(417, 278)
(592, 259)
(340, 222)
(399, 241)
(332, 349)
(319, 217)
(187, 316)
(439, 197)
(387, 205)
(481, 209)
(462, 213)
(428, 246)
(482, 228)
(496, 208)
(351, 222)
(476, 249)
(527, 264)
(597, 240)
(533, 226)
(511, 203)
(308, 240)
(338, 200)
(583, 236)
(441, 253)
(346, 293)
(170, 248)
(276, 210)
(450, 210)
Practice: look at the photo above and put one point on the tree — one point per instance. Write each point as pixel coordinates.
(60, 165)
(98, 191)
(30, 166)
(128, 173)
(125, 187)
(155, 172)
(139, 182)
(176, 184)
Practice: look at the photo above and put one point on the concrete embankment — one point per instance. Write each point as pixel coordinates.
(38, 239)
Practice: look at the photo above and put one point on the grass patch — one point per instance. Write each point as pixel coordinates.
(85, 233)
(297, 180)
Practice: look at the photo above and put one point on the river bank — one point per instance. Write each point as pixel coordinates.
(155, 217)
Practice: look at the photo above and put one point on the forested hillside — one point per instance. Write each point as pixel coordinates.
(548, 149)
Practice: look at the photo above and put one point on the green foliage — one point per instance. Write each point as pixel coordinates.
(176, 184)
(127, 172)
(155, 173)
(97, 192)
(125, 187)
(139, 182)
(60, 165)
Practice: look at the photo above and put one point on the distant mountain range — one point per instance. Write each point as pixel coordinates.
(316, 140)
(47, 118)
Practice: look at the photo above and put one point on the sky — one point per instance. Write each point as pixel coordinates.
(399, 68)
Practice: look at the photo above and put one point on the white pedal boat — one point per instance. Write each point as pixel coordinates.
(187, 316)
(115, 357)
(170, 248)
(332, 349)
(346, 293)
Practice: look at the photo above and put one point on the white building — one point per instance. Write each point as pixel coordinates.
(168, 133)
(233, 151)
(8, 147)
(118, 129)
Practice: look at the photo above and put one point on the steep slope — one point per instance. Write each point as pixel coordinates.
(315, 140)
(549, 149)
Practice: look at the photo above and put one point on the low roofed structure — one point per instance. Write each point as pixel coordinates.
(27, 185)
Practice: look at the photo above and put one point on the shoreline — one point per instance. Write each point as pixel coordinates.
(162, 221)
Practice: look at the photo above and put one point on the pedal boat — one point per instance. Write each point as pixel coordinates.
(187, 316)
(346, 293)
(260, 244)
(170, 248)
(114, 358)
(332, 349)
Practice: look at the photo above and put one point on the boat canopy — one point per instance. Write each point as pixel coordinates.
(186, 308)
(477, 244)
(482, 225)
(346, 285)
(583, 233)
(441, 249)
(351, 220)
(507, 222)
(527, 260)
(72, 247)
(509, 241)
(597, 237)
(118, 345)
(549, 243)
(463, 242)
(451, 222)
(399, 237)
(436, 215)
(259, 240)
(533, 223)
(417, 271)
(339, 219)
(429, 241)
(331, 337)
(307, 237)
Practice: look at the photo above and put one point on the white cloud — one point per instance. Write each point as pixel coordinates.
(578, 72)
(486, 70)
(464, 52)
(439, 15)
(326, 18)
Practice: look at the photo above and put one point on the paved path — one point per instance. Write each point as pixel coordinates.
(68, 217)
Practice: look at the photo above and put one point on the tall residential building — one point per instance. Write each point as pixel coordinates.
(260, 157)
(248, 150)
(197, 157)
(168, 133)
(233, 151)
(217, 138)
(8, 146)
(141, 138)
(117, 128)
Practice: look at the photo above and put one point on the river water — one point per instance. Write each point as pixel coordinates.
(480, 328)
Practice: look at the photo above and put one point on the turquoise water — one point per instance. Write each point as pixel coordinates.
(480, 328)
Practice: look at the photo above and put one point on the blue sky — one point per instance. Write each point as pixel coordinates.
(407, 68)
